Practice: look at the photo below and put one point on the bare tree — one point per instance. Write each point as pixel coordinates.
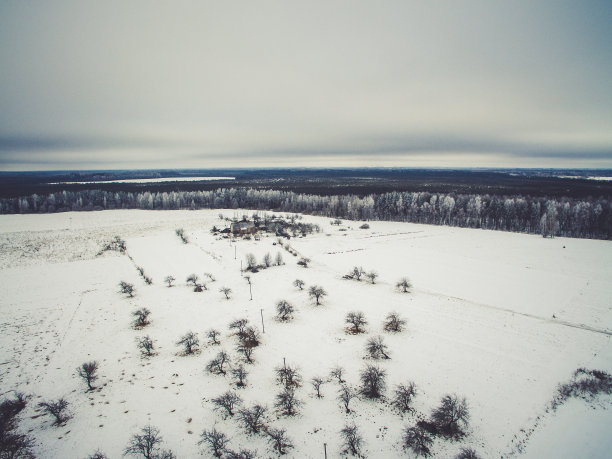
(215, 441)
(356, 273)
(284, 310)
(251, 261)
(97, 455)
(146, 346)
(357, 321)
(394, 323)
(402, 397)
(337, 373)
(299, 283)
(288, 376)
(279, 440)
(213, 335)
(373, 381)
(372, 275)
(58, 409)
(242, 454)
(451, 416)
(418, 440)
(227, 401)
(240, 374)
(467, 453)
(88, 371)
(239, 325)
(376, 348)
(147, 445)
(127, 289)
(217, 365)
(403, 285)
(210, 276)
(345, 395)
(286, 402)
(279, 259)
(226, 291)
(253, 418)
(317, 382)
(169, 280)
(180, 232)
(317, 293)
(246, 350)
(141, 317)
(14, 445)
(352, 440)
(267, 259)
(190, 342)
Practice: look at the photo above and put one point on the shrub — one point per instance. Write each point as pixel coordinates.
(451, 416)
(217, 365)
(317, 382)
(169, 280)
(278, 440)
(299, 283)
(352, 440)
(88, 371)
(286, 402)
(337, 373)
(141, 317)
(212, 335)
(12, 443)
(376, 348)
(403, 285)
(288, 376)
(402, 397)
(357, 321)
(146, 346)
(345, 395)
(253, 418)
(418, 440)
(180, 232)
(284, 310)
(147, 444)
(317, 293)
(365, 226)
(227, 401)
(394, 323)
(226, 291)
(240, 374)
(127, 289)
(190, 342)
(467, 453)
(372, 275)
(373, 381)
(58, 409)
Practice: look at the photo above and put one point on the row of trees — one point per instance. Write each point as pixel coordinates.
(585, 218)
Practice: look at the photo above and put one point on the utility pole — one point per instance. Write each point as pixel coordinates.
(235, 247)
(263, 328)
(325, 449)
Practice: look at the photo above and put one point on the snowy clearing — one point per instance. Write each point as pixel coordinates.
(498, 318)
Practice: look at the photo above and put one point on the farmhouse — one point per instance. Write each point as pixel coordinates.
(243, 228)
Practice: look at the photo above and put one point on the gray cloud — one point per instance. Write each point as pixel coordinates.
(135, 84)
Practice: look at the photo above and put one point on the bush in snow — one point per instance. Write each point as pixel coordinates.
(288, 376)
(337, 373)
(212, 335)
(240, 375)
(303, 261)
(317, 293)
(351, 440)
(267, 260)
(146, 346)
(584, 383)
(217, 365)
(227, 401)
(147, 444)
(284, 310)
(418, 440)
(373, 381)
(253, 419)
(190, 342)
(278, 440)
(299, 283)
(467, 453)
(242, 454)
(372, 275)
(180, 232)
(141, 317)
(251, 262)
(127, 289)
(12, 443)
(169, 280)
(345, 395)
(317, 382)
(278, 261)
(286, 402)
(403, 285)
(451, 416)
(239, 325)
(393, 323)
(97, 455)
(364, 226)
(356, 273)
(402, 397)
(356, 320)
(376, 348)
(88, 371)
(58, 409)
(226, 291)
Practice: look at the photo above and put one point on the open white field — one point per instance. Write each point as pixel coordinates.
(496, 317)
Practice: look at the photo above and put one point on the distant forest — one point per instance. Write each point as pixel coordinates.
(563, 216)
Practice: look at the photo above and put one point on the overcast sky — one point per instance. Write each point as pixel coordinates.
(143, 84)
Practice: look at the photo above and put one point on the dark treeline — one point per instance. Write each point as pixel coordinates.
(572, 217)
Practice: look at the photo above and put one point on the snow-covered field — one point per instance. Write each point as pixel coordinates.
(498, 318)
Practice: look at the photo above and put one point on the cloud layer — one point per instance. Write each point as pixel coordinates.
(209, 84)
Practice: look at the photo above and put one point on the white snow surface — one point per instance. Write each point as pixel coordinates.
(479, 324)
